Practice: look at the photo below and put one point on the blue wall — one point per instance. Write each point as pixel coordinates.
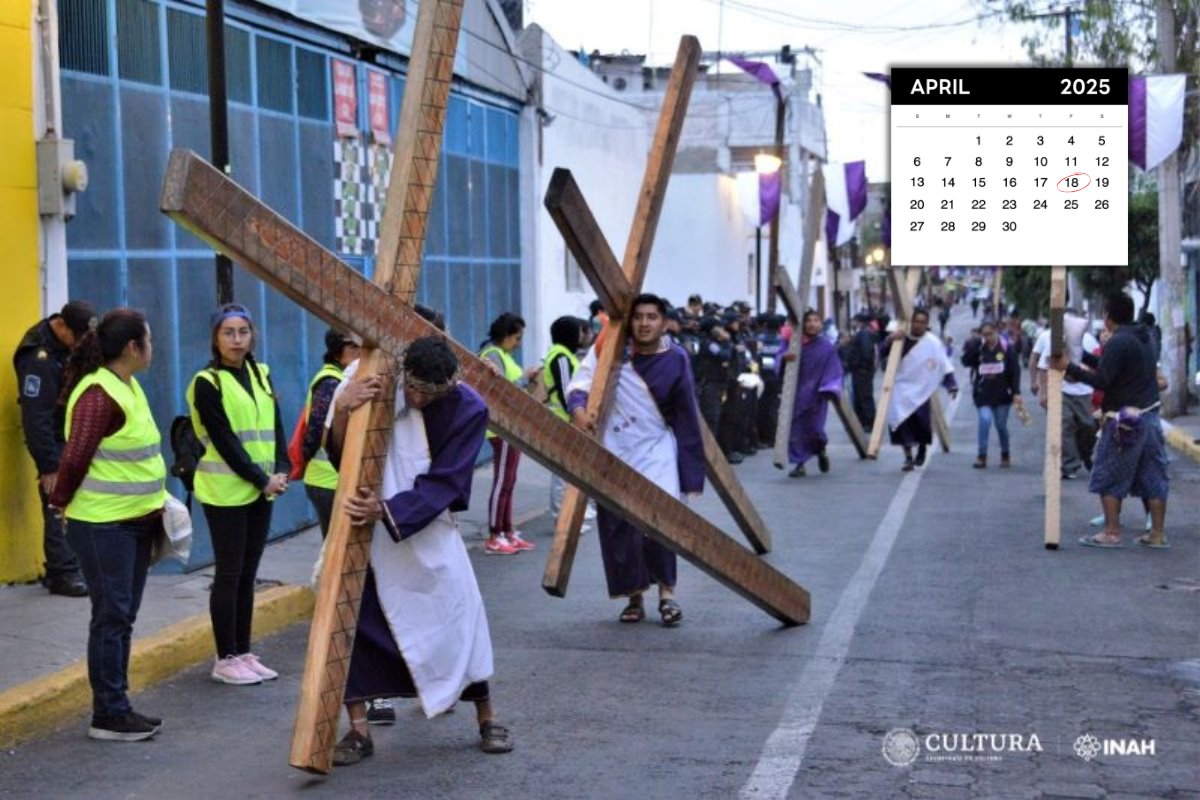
(129, 98)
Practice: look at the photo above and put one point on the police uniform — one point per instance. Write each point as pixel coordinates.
(41, 362)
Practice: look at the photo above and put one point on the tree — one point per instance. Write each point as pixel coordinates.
(1115, 33)
(1028, 290)
(1143, 269)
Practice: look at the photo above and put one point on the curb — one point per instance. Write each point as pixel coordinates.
(1181, 441)
(43, 704)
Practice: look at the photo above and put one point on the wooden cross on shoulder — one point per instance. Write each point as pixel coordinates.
(617, 286)
(234, 222)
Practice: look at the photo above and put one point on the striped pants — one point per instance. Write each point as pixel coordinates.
(505, 459)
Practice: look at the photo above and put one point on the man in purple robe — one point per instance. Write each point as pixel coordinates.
(422, 629)
(820, 383)
(654, 427)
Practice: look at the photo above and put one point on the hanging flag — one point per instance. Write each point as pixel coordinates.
(759, 69)
(845, 199)
(879, 76)
(1155, 118)
(769, 186)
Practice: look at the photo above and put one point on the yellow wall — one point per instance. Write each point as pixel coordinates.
(20, 517)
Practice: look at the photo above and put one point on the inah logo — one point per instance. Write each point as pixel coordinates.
(1087, 747)
(901, 747)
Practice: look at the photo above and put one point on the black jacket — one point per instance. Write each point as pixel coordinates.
(41, 363)
(1126, 370)
(995, 372)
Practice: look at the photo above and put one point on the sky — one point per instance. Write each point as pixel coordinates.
(850, 37)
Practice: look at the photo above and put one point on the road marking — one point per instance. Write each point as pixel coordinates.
(783, 752)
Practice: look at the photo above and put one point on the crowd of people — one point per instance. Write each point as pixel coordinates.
(422, 630)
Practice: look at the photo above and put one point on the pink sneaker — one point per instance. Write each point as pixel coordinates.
(231, 670)
(518, 543)
(251, 662)
(498, 546)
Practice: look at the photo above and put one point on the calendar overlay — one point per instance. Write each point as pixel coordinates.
(1010, 166)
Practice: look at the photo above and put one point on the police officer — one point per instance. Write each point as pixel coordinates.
(712, 367)
(769, 353)
(40, 362)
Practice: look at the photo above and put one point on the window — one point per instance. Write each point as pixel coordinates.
(574, 275)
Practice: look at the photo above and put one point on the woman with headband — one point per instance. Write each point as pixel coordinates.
(244, 467)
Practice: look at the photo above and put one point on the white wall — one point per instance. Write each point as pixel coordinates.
(604, 141)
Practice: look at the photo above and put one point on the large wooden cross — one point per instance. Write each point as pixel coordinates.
(235, 223)
(616, 285)
(1052, 467)
(902, 294)
(585, 240)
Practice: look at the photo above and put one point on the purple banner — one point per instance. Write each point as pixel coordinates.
(1137, 121)
(856, 187)
(769, 186)
(759, 69)
(879, 76)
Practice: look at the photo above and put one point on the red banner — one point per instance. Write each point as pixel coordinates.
(345, 98)
(377, 104)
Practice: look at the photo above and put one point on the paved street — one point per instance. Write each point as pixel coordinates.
(935, 608)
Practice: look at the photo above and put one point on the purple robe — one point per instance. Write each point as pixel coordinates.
(455, 427)
(820, 381)
(633, 561)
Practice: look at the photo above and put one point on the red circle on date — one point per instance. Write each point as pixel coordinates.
(1072, 175)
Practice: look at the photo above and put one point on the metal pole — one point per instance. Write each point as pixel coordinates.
(773, 249)
(758, 270)
(218, 122)
(1067, 15)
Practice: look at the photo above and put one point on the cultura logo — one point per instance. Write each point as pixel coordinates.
(901, 747)
(1087, 747)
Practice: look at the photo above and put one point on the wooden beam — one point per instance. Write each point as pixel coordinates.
(637, 258)
(398, 267)
(1052, 465)
(236, 223)
(813, 216)
(787, 293)
(574, 219)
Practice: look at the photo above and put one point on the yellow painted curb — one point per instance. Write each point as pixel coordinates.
(1182, 442)
(40, 705)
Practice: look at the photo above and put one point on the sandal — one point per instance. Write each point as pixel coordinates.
(670, 612)
(1097, 541)
(494, 738)
(1147, 540)
(353, 748)
(634, 612)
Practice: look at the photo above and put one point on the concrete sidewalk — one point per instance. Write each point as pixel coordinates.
(43, 637)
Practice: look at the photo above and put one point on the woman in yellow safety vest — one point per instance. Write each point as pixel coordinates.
(560, 363)
(244, 467)
(109, 486)
(320, 476)
(504, 337)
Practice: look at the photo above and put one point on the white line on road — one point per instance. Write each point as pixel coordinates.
(784, 751)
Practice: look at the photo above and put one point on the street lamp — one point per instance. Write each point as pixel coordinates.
(878, 254)
(767, 164)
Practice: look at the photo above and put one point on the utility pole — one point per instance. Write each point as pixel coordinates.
(773, 246)
(218, 122)
(1171, 294)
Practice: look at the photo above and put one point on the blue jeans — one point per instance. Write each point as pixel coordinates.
(114, 558)
(998, 415)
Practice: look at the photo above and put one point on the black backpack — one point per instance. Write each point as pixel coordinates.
(186, 450)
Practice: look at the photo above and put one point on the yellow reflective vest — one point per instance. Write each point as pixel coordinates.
(550, 379)
(127, 476)
(512, 370)
(319, 471)
(252, 418)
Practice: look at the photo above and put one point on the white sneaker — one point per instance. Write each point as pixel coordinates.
(231, 670)
(251, 662)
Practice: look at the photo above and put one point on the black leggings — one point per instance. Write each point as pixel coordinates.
(239, 534)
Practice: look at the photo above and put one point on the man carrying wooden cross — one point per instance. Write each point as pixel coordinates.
(924, 367)
(654, 427)
(422, 630)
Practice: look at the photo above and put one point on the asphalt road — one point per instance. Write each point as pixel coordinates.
(935, 609)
